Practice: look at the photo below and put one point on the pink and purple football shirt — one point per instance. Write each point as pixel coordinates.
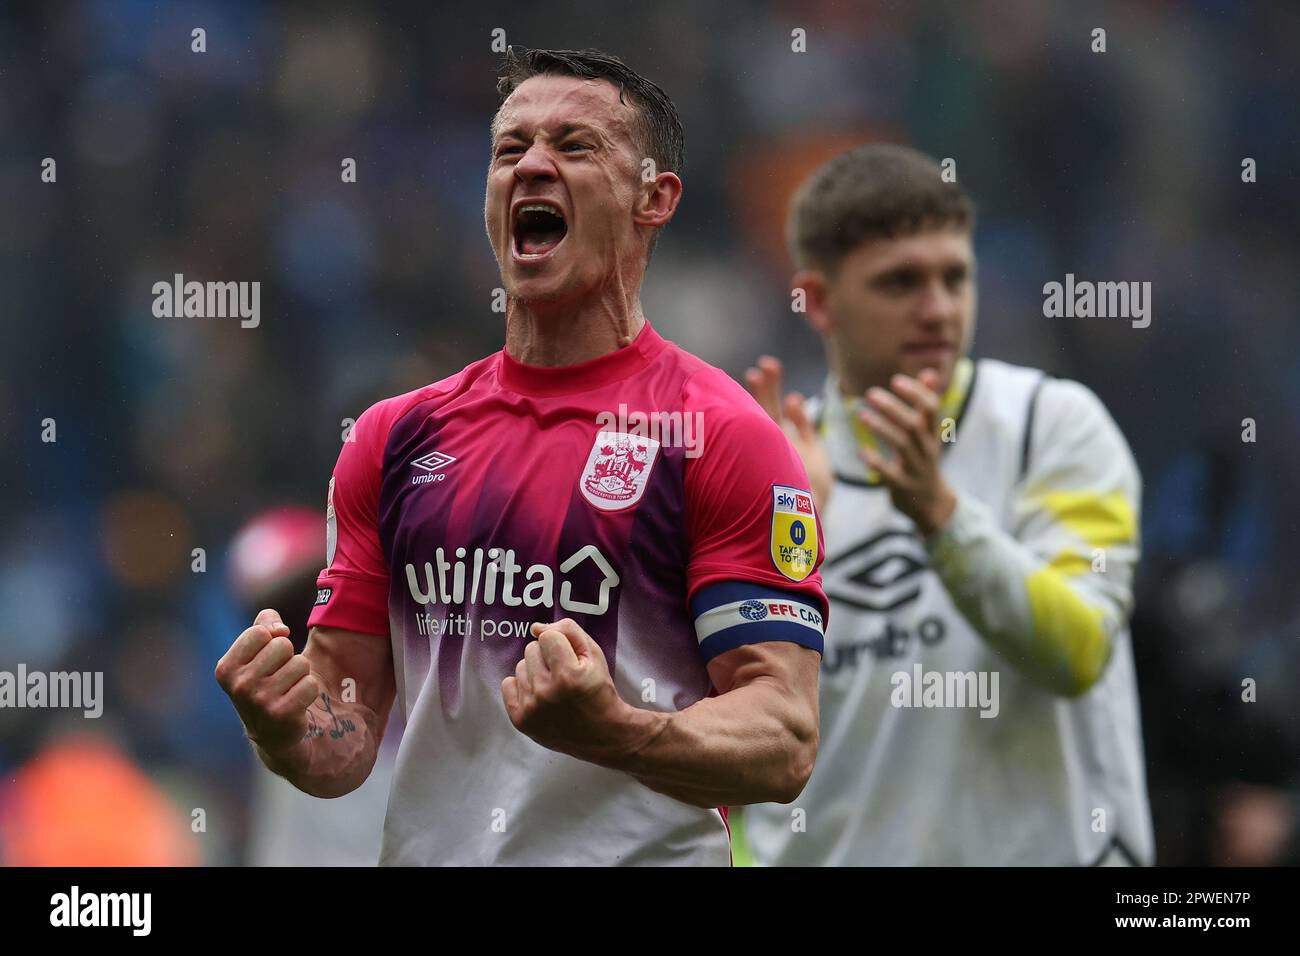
(463, 511)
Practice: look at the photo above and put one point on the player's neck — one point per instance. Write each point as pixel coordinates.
(855, 388)
(853, 382)
(554, 338)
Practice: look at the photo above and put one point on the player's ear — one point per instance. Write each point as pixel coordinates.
(809, 290)
(657, 200)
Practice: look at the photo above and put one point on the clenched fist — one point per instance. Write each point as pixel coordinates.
(563, 697)
(270, 686)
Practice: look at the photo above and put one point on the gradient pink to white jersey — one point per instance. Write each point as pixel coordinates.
(463, 511)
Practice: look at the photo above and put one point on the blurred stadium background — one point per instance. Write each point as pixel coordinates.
(225, 165)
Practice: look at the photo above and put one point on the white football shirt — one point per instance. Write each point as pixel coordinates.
(937, 744)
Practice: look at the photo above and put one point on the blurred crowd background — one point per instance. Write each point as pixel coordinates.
(174, 433)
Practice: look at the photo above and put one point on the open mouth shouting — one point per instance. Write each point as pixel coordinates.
(538, 227)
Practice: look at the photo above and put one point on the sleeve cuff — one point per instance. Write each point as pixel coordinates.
(949, 548)
(351, 604)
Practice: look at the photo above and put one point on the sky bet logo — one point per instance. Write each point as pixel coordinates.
(794, 501)
(794, 532)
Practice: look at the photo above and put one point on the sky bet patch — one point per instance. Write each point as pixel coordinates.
(794, 532)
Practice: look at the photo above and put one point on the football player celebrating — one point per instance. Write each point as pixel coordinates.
(597, 637)
(979, 704)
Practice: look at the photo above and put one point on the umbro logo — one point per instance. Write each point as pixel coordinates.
(432, 463)
(881, 574)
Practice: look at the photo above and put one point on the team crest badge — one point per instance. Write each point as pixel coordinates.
(794, 532)
(617, 470)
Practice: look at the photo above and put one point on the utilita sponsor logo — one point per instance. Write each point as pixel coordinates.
(494, 574)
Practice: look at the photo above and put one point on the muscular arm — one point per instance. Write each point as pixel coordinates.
(754, 743)
(758, 612)
(338, 749)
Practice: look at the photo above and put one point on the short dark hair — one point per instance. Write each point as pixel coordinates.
(659, 133)
(877, 191)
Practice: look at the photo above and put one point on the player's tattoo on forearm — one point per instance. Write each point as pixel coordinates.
(338, 726)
